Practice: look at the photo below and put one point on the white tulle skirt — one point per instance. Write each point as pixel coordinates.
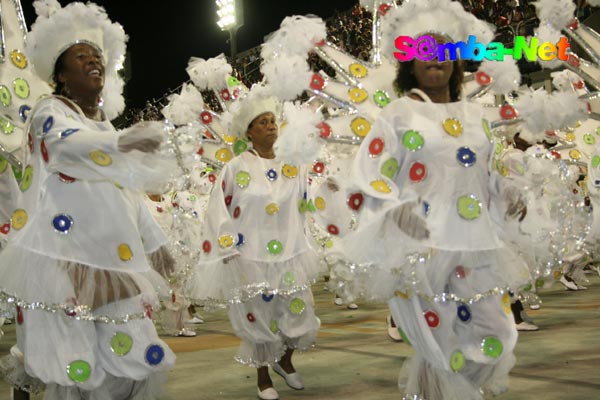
(240, 279)
(81, 328)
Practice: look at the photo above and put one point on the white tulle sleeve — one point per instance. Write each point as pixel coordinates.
(71, 147)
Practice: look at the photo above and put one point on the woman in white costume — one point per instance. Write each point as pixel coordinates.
(256, 253)
(76, 263)
(430, 149)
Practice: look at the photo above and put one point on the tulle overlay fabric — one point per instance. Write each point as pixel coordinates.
(447, 292)
(65, 285)
(239, 261)
(240, 280)
(84, 263)
(256, 257)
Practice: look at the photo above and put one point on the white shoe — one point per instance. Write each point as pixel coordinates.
(393, 332)
(293, 380)
(268, 394)
(17, 353)
(338, 301)
(195, 320)
(352, 306)
(186, 333)
(569, 285)
(526, 326)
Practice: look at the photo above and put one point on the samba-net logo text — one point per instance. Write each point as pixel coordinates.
(426, 48)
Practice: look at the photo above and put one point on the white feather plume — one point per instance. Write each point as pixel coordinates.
(209, 74)
(546, 32)
(184, 108)
(112, 96)
(566, 80)
(299, 142)
(541, 111)
(288, 76)
(558, 13)
(45, 8)
(505, 74)
(296, 35)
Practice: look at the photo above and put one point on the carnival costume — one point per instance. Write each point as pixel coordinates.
(76, 265)
(256, 256)
(448, 292)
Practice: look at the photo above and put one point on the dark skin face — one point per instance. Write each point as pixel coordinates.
(83, 73)
(433, 77)
(263, 134)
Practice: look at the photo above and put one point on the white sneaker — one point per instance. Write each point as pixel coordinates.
(186, 333)
(352, 306)
(195, 320)
(338, 301)
(569, 285)
(526, 326)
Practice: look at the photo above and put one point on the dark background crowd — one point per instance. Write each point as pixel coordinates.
(351, 31)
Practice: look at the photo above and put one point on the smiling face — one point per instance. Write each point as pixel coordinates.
(81, 69)
(263, 131)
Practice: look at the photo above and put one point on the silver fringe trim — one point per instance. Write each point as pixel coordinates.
(77, 313)
(448, 297)
(246, 293)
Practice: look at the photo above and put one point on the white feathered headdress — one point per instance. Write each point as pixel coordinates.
(56, 29)
(418, 17)
(245, 109)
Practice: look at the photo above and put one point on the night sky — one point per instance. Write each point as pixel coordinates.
(163, 35)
